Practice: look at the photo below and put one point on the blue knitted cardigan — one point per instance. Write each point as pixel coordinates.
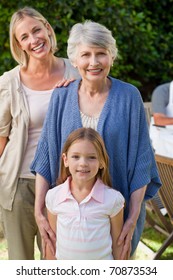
(123, 126)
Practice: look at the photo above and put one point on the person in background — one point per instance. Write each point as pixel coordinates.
(84, 185)
(115, 109)
(25, 92)
(162, 104)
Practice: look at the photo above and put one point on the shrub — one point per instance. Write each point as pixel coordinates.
(143, 30)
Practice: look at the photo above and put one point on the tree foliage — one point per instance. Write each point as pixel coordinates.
(142, 29)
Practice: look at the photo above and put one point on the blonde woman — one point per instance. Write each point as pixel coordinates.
(25, 92)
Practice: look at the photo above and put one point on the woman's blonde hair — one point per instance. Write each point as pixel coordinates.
(93, 136)
(93, 34)
(18, 54)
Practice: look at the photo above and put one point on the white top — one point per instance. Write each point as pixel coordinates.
(88, 121)
(38, 102)
(83, 229)
(169, 108)
(162, 139)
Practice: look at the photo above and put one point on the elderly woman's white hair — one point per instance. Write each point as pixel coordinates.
(92, 34)
(18, 54)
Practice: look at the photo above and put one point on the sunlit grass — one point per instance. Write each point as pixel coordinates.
(3, 250)
(153, 240)
(4, 253)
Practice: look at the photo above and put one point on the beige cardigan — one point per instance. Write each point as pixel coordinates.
(14, 123)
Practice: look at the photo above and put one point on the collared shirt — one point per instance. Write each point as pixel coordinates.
(83, 229)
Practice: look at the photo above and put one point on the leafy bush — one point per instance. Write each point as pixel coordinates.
(143, 30)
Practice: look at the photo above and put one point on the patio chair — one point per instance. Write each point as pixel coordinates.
(156, 216)
(148, 112)
(165, 168)
(154, 208)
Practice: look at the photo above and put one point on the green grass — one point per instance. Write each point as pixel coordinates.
(4, 254)
(3, 249)
(153, 240)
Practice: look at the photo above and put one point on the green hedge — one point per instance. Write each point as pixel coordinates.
(143, 30)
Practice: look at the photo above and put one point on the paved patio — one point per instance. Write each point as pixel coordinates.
(143, 252)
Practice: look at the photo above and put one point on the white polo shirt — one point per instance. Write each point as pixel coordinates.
(83, 229)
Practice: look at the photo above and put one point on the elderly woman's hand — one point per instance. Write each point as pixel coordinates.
(126, 238)
(129, 226)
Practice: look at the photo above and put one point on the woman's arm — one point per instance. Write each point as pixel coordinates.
(47, 234)
(161, 119)
(116, 228)
(3, 143)
(130, 224)
(52, 222)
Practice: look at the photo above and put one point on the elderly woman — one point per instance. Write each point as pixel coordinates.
(113, 108)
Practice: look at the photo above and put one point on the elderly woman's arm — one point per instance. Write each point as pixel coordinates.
(3, 142)
(130, 224)
(47, 234)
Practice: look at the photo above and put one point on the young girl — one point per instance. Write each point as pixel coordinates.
(84, 211)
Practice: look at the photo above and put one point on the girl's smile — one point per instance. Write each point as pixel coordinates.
(82, 161)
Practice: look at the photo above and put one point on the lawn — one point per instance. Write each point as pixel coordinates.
(153, 240)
